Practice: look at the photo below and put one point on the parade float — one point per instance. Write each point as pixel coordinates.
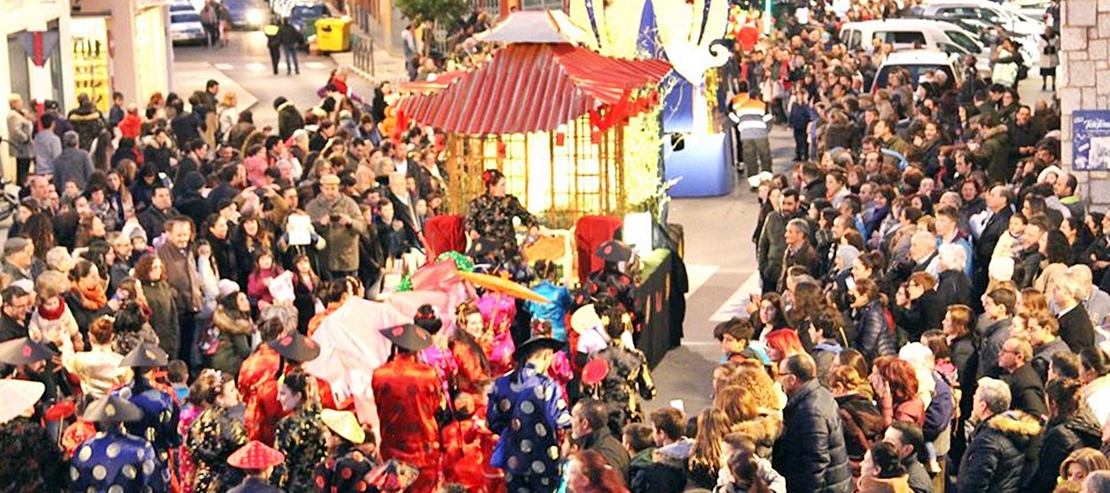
(696, 145)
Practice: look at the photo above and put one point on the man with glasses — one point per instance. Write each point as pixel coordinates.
(810, 453)
(338, 219)
(1026, 388)
(13, 314)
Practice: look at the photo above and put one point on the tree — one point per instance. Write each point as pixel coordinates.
(445, 13)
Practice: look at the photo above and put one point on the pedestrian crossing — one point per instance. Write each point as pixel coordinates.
(263, 67)
(737, 303)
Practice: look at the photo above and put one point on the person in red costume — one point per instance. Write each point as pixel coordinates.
(470, 344)
(258, 377)
(409, 395)
(468, 445)
(258, 385)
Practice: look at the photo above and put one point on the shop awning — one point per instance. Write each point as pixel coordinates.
(530, 87)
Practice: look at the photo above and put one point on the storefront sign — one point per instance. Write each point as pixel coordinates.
(1091, 140)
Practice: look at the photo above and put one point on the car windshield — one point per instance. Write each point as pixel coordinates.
(964, 41)
(914, 70)
(184, 17)
(307, 11)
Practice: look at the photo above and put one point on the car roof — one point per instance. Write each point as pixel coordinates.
(914, 57)
(901, 23)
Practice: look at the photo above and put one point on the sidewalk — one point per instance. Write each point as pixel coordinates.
(192, 76)
(388, 66)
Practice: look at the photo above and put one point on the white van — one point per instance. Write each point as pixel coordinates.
(909, 34)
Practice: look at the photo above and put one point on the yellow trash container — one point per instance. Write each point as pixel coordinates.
(333, 34)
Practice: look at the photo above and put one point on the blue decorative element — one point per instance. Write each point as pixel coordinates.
(678, 109)
(593, 21)
(704, 166)
(647, 40)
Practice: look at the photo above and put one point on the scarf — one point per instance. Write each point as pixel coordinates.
(52, 314)
(91, 299)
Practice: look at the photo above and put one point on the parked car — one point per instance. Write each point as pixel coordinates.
(185, 26)
(1024, 29)
(916, 62)
(1034, 9)
(303, 15)
(907, 34)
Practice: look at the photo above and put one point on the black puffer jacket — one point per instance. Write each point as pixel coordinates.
(995, 458)
(1061, 438)
(875, 336)
(811, 454)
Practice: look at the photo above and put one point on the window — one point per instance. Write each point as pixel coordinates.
(964, 41)
(905, 38)
(852, 36)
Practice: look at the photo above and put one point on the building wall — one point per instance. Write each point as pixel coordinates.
(44, 83)
(141, 57)
(1085, 43)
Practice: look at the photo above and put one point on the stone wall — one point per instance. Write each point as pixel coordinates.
(1084, 81)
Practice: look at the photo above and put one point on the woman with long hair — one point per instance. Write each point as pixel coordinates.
(1071, 427)
(259, 280)
(89, 229)
(782, 344)
(769, 316)
(882, 471)
(895, 383)
(87, 297)
(587, 472)
(469, 343)
(232, 325)
(214, 434)
(1082, 462)
(151, 274)
(300, 435)
(762, 425)
(305, 282)
(875, 338)
(861, 418)
(251, 237)
(706, 457)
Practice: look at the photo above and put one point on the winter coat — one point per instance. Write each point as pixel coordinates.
(924, 313)
(163, 314)
(995, 456)
(811, 453)
(667, 471)
(875, 338)
(233, 342)
(953, 288)
(862, 423)
(343, 241)
(1062, 436)
(1027, 391)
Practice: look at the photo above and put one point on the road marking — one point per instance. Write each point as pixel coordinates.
(698, 275)
(737, 304)
(223, 66)
(316, 65)
(256, 67)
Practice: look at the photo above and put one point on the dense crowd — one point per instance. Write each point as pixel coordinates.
(931, 315)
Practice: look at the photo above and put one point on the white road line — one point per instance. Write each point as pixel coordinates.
(698, 275)
(315, 65)
(737, 304)
(223, 66)
(256, 67)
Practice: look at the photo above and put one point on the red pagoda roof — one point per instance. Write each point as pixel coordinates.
(530, 87)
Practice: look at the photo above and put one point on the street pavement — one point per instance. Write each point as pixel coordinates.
(720, 255)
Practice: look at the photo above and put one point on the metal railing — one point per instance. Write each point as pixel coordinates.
(362, 49)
